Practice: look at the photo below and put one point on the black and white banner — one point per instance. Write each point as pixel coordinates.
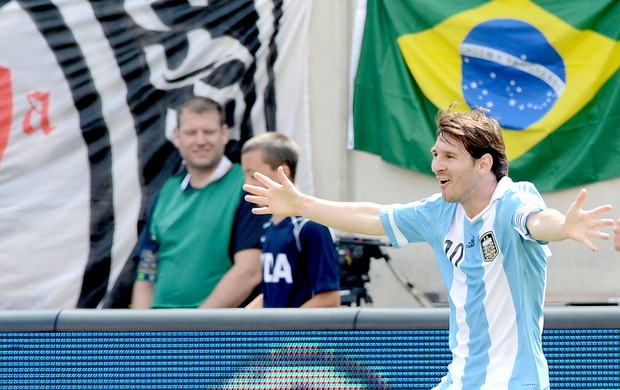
(87, 96)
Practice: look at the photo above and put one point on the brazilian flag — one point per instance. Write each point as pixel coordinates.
(547, 70)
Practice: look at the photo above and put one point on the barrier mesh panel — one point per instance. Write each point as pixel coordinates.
(382, 359)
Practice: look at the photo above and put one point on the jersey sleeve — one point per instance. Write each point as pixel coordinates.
(413, 222)
(528, 200)
(320, 250)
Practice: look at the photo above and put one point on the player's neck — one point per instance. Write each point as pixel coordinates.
(479, 197)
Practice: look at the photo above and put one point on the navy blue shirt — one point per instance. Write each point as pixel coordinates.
(299, 260)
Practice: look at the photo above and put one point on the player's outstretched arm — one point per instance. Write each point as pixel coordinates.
(577, 224)
(284, 199)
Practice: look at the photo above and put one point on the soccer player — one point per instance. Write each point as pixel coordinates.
(489, 235)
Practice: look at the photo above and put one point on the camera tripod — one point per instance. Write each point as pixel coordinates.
(354, 255)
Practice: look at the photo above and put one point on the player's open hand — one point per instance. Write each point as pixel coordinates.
(273, 197)
(582, 225)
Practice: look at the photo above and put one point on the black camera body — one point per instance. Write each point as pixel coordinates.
(354, 255)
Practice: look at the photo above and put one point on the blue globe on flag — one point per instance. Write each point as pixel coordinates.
(510, 68)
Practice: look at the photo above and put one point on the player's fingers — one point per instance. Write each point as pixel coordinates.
(581, 198)
(603, 222)
(259, 200)
(602, 210)
(255, 190)
(261, 210)
(265, 180)
(600, 235)
(589, 245)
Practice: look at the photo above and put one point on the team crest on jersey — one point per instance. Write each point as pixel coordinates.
(489, 246)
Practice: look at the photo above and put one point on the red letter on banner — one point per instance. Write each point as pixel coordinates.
(39, 104)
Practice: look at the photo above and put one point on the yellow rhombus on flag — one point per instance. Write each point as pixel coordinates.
(439, 56)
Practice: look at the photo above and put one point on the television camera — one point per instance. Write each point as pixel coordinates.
(354, 254)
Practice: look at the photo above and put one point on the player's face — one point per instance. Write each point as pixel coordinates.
(454, 168)
(201, 140)
(251, 162)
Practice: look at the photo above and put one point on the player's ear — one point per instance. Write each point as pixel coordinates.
(485, 163)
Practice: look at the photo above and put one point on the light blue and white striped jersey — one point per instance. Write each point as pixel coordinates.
(495, 275)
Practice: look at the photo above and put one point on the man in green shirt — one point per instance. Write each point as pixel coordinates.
(203, 244)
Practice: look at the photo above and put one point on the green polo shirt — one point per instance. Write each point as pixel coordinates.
(192, 228)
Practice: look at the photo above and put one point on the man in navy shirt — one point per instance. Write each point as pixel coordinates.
(299, 259)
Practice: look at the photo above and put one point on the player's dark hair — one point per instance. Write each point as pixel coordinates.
(478, 133)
